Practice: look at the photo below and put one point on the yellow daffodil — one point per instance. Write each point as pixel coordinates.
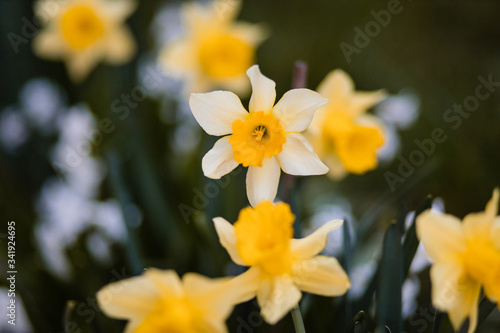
(216, 51)
(280, 267)
(158, 301)
(84, 32)
(466, 256)
(265, 140)
(343, 135)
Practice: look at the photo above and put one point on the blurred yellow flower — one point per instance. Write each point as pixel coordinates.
(84, 32)
(280, 267)
(466, 256)
(158, 301)
(216, 51)
(343, 135)
(266, 139)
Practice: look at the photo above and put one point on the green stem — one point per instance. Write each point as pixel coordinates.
(297, 320)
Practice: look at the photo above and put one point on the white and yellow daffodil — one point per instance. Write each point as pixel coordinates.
(216, 51)
(84, 32)
(342, 134)
(266, 139)
(158, 301)
(280, 266)
(466, 256)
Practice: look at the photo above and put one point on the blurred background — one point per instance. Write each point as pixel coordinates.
(137, 198)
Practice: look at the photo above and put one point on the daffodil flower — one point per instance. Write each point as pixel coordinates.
(158, 301)
(265, 140)
(216, 51)
(466, 256)
(280, 267)
(343, 135)
(84, 32)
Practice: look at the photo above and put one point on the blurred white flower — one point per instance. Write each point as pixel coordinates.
(13, 129)
(401, 110)
(360, 276)
(398, 112)
(40, 101)
(67, 206)
(76, 126)
(410, 290)
(335, 241)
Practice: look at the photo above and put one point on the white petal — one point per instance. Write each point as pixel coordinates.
(120, 46)
(441, 234)
(227, 238)
(262, 182)
(307, 247)
(132, 298)
(118, 11)
(296, 108)
(276, 297)
(219, 160)
(216, 111)
(263, 91)
(320, 275)
(298, 158)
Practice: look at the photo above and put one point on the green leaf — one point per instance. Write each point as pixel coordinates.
(390, 281)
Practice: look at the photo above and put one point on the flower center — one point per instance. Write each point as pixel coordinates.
(263, 237)
(260, 135)
(81, 27)
(225, 56)
(355, 145)
(170, 316)
(482, 263)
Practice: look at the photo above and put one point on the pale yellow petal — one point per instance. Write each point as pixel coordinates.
(80, 64)
(227, 238)
(466, 306)
(226, 11)
(364, 100)
(298, 158)
(130, 299)
(262, 182)
(263, 91)
(276, 297)
(296, 108)
(48, 44)
(320, 275)
(120, 46)
(307, 247)
(210, 295)
(216, 111)
(219, 160)
(167, 282)
(478, 225)
(445, 279)
(495, 233)
(336, 86)
(118, 11)
(255, 34)
(178, 57)
(441, 234)
(336, 169)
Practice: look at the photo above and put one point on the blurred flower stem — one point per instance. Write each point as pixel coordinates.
(299, 80)
(123, 195)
